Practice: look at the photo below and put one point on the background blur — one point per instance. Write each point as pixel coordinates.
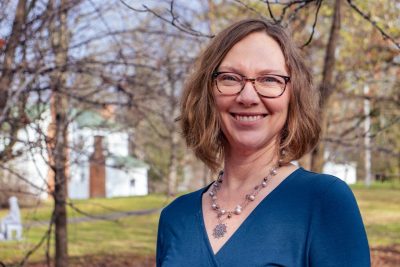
(89, 96)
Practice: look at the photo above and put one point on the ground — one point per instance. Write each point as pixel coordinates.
(129, 227)
(385, 256)
(108, 261)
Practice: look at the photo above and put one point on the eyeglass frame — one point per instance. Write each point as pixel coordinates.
(252, 80)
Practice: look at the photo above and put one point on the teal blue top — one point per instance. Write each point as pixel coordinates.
(308, 220)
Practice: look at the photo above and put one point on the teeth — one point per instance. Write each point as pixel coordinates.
(248, 118)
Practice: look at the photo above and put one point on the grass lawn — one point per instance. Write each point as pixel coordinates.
(380, 208)
(133, 234)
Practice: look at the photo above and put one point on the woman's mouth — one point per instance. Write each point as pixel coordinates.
(248, 118)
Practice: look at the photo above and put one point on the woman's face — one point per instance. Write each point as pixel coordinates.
(249, 121)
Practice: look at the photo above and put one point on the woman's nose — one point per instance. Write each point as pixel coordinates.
(248, 96)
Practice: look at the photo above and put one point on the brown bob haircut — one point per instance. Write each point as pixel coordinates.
(200, 119)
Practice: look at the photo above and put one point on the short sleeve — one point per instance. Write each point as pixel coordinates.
(337, 235)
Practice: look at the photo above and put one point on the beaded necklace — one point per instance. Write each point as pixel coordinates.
(222, 214)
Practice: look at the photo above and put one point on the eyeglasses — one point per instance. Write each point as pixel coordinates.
(269, 85)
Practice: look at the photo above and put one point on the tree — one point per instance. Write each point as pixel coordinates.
(326, 87)
(310, 22)
(57, 137)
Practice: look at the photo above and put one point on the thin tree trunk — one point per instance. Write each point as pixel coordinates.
(211, 16)
(367, 138)
(327, 86)
(9, 53)
(60, 179)
(59, 106)
(7, 75)
(173, 164)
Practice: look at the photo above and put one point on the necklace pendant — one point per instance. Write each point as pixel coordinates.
(219, 230)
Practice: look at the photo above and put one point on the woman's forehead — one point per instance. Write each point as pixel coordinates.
(256, 53)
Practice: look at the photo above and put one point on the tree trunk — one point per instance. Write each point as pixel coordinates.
(211, 16)
(58, 176)
(59, 107)
(9, 53)
(60, 186)
(7, 75)
(327, 86)
(173, 164)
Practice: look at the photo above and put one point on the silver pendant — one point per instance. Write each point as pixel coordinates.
(219, 230)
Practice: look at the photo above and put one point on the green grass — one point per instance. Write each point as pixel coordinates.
(94, 206)
(395, 185)
(133, 234)
(380, 208)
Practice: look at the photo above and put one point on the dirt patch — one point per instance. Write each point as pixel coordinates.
(106, 261)
(385, 256)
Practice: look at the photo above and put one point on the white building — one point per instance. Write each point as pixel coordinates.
(347, 171)
(124, 175)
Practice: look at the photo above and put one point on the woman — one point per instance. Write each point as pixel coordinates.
(250, 107)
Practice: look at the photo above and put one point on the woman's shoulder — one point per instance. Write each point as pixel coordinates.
(336, 231)
(321, 185)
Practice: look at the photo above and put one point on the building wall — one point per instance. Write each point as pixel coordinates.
(126, 183)
(33, 167)
(78, 186)
(347, 172)
(119, 181)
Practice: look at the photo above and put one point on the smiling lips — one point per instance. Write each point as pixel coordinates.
(248, 117)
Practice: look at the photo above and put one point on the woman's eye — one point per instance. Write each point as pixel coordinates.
(269, 79)
(228, 77)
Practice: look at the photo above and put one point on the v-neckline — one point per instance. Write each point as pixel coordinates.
(246, 220)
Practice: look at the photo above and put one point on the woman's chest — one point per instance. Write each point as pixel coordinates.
(259, 241)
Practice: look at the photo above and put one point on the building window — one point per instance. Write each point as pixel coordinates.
(132, 182)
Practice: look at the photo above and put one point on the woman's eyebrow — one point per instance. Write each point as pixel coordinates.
(229, 68)
(272, 71)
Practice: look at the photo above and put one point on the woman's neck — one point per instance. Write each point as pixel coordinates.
(243, 170)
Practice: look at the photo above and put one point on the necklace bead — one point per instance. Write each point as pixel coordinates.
(238, 210)
(223, 214)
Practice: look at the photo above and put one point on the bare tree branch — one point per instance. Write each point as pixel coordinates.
(319, 2)
(249, 8)
(45, 237)
(340, 142)
(271, 13)
(373, 23)
(174, 21)
(22, 178)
